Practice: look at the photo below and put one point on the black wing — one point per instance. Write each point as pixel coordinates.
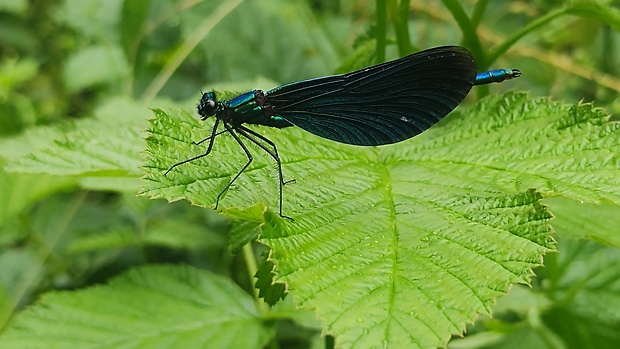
(382, 104)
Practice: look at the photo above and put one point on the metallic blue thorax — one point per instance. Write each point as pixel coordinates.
(253, 108)
(245, 104)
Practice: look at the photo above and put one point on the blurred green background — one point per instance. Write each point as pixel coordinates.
(64, 61)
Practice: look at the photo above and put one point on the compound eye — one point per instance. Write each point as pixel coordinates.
(207, 105)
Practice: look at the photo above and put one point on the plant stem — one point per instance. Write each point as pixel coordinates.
(250, 262)
(399, 14)
(470, 39)
(380, 29)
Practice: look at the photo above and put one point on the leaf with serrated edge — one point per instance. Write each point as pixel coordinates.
(156, 306)
(245, 225)
(402, 245)
(96, 148)
(411, 276)
(108, 145)
(271, 292)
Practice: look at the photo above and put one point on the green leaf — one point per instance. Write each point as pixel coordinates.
(17, 192)
(168, 233)
(201, 181)
(179, 306)
(403, 275)
(584, 282)
(95, 65)
(404, 243)
(598, 222)
(574, 304)
(506, 144)
(96, 146)
(245, 225)
(104, 151)
(271, 292)
(32, 140)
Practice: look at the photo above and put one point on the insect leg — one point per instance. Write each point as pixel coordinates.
(246, 132)
(209, 148)
(250, 158)
(208, 138)
(274, 154)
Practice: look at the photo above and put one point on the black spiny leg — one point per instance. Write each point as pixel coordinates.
(250, 158)
(246, 132)
(210, 137)
(209, 148)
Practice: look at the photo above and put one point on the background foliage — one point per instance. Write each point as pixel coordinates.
(77, 79)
